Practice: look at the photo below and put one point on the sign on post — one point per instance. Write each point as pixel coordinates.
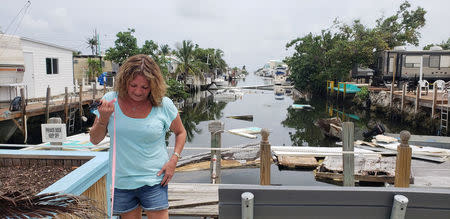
(53, 132)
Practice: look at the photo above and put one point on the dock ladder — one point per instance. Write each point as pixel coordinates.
(72, 115)
(444, 112)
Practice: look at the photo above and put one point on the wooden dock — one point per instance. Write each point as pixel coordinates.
(56, 105)
(195, 200)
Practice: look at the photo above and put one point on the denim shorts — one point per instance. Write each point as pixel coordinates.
(151, 198)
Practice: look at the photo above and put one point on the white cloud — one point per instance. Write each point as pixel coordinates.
(30, 23)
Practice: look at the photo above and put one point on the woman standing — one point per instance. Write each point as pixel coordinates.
(143, 116)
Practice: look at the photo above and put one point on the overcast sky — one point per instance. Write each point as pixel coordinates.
(250, 32)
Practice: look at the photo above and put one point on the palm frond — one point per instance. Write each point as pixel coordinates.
(20, 205)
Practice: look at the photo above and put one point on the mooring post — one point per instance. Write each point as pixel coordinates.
(402, 107)
(81, 105)
(24, 114)
(433, 107)
(94, 91)
(345, 90)
(216, 128)
(416, 107)
(399, 207)
(47, 104)
(391, 97)
(403, 161)
(66, 104)
(348, 159)
(247, 201)
(265, 158)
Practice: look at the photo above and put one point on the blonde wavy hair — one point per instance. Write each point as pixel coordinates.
(145, 66)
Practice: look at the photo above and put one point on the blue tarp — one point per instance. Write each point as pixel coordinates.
(101, 78)
(350, 88)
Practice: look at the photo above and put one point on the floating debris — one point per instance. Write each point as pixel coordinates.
(243, 117)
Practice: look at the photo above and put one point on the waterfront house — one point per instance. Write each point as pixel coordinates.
(34, 65)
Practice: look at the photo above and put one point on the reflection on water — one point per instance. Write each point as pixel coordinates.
(287, 126)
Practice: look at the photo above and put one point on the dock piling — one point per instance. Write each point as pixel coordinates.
(66, 104)
(24, 114)
(416, 107)
(403, 161)
(265, 158)
(348, 159)
(47, 103)
(216, 128)
(433, 106)
(402, 107)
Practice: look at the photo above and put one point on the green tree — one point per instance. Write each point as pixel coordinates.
(164, 50)
(150, 48)
(92, 43)
(402, 27)
(444, 45)
(332, 54)
(188, 65)
(94, 69)
(124, 47)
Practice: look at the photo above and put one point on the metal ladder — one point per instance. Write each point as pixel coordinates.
(444, 112)
(72, 115)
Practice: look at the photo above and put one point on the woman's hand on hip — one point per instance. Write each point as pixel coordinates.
(168, 169)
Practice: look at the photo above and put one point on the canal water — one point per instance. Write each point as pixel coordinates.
(287, 127)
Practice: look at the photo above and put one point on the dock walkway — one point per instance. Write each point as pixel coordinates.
(195, 200)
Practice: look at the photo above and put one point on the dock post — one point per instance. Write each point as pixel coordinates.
(348, 159)
(81, 105)
(47, 104)
(391, 97)
(402, 107)
(66, 104)
(216, 128)
(403, 161)
(24, 114)
(265, 158)
(416, 107)
(247, 201)
(399, 207)
(332, 87)
(94, 91)
(345, 90)
(433, 107)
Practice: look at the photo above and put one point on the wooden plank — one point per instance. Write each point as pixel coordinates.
(192, 202)
(366, 169)
(416, 156)
(297, 161)
(198, 211)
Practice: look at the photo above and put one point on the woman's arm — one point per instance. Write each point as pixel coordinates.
(180, 138)
(99, 129)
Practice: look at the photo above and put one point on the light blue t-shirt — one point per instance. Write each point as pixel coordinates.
(140, 144)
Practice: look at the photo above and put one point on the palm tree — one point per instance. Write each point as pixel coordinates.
(165, 50)
(92, 43)
(188, 65)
